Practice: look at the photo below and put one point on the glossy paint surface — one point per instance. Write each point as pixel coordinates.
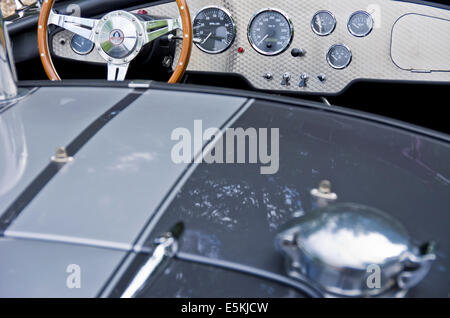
(31, 131)
(233, 213)
(40, 269)
(118, 179)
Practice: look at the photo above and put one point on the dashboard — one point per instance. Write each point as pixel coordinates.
(307, 46)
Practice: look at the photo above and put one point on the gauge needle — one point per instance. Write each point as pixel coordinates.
(267, 35)
(319, 23)
(207, 38)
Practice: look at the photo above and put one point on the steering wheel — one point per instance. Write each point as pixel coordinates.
(118, 37)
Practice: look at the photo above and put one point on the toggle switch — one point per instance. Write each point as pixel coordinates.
(303, 80)
(298, 52)
(286, 79)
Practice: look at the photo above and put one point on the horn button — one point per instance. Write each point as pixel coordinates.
(119, 37)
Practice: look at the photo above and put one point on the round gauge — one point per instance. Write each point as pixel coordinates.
(270, 32)
(323, 23)
(360, 24)
(339, 56)
(214, 30)
(80, 45)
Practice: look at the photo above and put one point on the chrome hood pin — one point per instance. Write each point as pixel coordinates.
(351, 250)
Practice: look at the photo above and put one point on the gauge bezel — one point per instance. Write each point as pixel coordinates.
(232, 21)
(312, 23)
(291, 27)
(77, 51)
(354, 33)
(339, 67)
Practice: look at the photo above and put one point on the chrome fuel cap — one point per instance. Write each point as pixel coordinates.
(351, 250)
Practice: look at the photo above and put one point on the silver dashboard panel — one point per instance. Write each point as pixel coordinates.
(419, 50)
(61, 47)
(371, 55)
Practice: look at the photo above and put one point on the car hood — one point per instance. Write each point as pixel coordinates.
(122, 169)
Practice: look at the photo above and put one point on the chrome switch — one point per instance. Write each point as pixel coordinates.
(303, 80)
(286, 79)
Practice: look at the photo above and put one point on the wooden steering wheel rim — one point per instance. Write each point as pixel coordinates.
(46, 58)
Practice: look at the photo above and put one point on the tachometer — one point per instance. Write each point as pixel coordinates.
(270, 32)
(214, 30)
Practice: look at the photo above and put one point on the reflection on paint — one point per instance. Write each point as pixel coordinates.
(13, 153)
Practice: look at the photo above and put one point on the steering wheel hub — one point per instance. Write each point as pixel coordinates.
(119, 37)
(116, 37)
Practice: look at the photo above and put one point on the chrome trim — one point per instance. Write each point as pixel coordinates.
(53, 238)
(156, 28)
(117, 72)
(139, 84)
(354, 33)
(323, 194)
(232, 21)
(8, 75)
(339, 67)
(61, 156)
(81, 26)
(325, 101)
(291, 26)
(312, 23)
(167, 248)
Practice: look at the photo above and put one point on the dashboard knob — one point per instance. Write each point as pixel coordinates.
(297, 52)
(322, 77)
(268, 76)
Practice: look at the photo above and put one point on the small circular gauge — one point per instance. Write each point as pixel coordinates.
(214, 30)
(81, 45)
(270, 32)
(323, 23)
(360, 24)
(339, 56)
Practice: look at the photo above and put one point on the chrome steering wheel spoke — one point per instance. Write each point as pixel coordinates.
(81, 26)
(117, 72)
(157, 28)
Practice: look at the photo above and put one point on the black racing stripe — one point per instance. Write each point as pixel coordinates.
(53, 168)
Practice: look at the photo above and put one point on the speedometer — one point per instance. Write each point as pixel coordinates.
(270, 32)
(214, 30)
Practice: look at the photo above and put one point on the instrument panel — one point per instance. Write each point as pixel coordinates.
(215, 28)
(309, 46)
(270, 32)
